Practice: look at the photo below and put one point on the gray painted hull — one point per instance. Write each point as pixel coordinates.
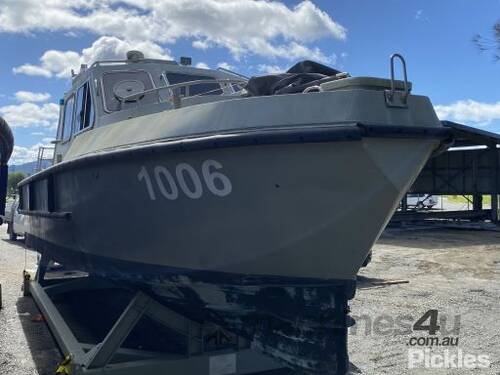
(298, 210)
(272, 259)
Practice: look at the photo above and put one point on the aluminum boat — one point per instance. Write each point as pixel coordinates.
(248, 203)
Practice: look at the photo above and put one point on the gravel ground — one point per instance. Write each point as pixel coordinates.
(26, 345)
(455, 272)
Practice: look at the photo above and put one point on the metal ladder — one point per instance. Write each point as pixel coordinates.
(43, 157)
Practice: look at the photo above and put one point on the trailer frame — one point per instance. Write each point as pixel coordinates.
(109, 358)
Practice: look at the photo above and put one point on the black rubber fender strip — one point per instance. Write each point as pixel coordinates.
(323, 133)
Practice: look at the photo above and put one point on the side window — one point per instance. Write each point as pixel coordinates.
(199, 89)
(89, 109)
(68, 118)
(84, 109)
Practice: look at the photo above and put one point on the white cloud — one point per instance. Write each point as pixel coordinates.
(201, 65)
(32, 70)
(201, 44)
(29, 96)
(469, 111)
(53, 62)
(59, 63)
(21, 155)
(27, 115)
(270, 69)
(109, 47)
(225, 65)
(420, 15)
(241, 26)
(296, 51)
(47, 140)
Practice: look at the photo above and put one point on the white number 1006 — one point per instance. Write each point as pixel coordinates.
(186, 180)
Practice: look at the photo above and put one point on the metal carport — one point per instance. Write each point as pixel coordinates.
(470, 167)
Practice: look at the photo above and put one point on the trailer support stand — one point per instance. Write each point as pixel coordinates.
(108, 358)
(101, 354)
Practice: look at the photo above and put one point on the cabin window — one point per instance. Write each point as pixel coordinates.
(198, 89)
(117, 85)
(68, 118)
(84, 109)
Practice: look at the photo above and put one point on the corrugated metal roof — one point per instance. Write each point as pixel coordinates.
(468, 136)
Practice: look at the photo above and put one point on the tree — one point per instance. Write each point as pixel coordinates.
(489, 44)
(13, 180)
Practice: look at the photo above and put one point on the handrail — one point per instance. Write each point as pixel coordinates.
(179, 85)
(393, 86)
(127, 62)
(231, 72)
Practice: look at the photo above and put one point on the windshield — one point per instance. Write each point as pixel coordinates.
(118, 84)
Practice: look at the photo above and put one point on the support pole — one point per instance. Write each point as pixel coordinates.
(495, 158)
(404, 203)
(477, 202)
(494, 208)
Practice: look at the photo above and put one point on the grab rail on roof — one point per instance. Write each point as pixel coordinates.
(125, 62)
(135, 96)
(231, 72)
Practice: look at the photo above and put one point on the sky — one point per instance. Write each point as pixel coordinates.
(41, 41)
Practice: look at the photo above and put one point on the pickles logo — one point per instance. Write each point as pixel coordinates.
(433, 339)
(421, 355)
(425, 358)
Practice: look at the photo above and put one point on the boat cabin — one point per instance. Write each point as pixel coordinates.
(111, 91)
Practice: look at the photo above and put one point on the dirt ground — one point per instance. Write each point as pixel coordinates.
(456, 272)
(19, 355)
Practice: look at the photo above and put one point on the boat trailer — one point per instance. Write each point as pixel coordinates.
(206, 349)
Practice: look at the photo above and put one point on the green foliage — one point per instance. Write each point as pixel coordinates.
(463, 199)
(13, 180)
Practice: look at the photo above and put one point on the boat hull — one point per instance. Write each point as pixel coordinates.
(262, 239)
(308, 211)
